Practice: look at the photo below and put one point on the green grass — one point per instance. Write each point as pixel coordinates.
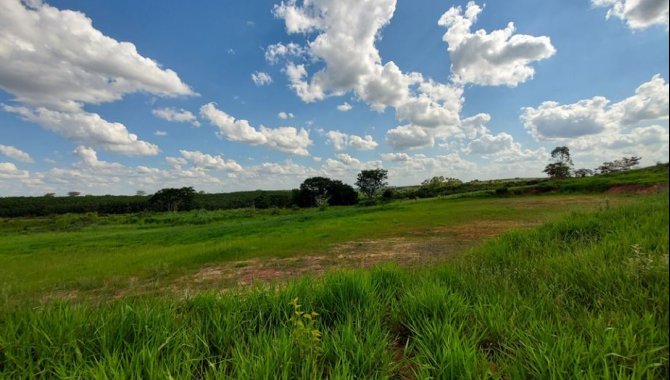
(582, 297)
(84, 252)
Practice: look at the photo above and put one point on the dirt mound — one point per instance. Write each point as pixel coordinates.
(638, 189)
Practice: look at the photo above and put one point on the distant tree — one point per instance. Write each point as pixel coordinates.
(341, 194)
(171, 199)
(371, 181)
(626, 163)
(261, 201)
(387, 195)
(437, 185)
(50, 195)
(140, 193)
(562, 165)
(73, 194)
(313, 190)
(317, 191)
(581, 173)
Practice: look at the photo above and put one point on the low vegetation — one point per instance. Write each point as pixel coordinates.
(585, 296)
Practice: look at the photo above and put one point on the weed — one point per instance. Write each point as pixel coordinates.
(306, 335)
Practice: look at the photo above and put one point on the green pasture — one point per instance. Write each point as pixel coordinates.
(85, 251)
(584, 296)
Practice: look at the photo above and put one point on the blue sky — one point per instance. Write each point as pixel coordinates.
(113, 97)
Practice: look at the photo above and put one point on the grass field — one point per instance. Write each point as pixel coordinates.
(87, 252)
(585, 296)
(536, 286)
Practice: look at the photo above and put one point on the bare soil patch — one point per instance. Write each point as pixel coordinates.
(638, 189)
(418, 247)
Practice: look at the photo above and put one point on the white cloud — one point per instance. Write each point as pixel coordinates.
(492, 59)
(346, 32)
(54, 62)
(344, 107)
(207, 161)
(598, 130)
(88, 129)
(595, 116)
(9, 171)
(412, 169)
(285, 115)
(89, 159)
(342, 140)
(409, 136)
(15, 153)
(160, 133)
(552, 120)
(57, 59)
(179, 116)
(638, 14)
(284, 139)
(396, 157)
(502, 148)
(344, 166)
(261, 79)
(276, 51)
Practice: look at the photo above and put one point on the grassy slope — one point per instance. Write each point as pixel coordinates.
(87, 251)
(583, 297)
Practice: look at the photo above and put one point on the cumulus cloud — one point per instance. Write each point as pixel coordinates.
(638, 14)
(88, 129)
(207, 161)
(15, 153)
(178, 116)
(409, 136)
(346, 33)
(597, 128)
(54, 61)
(500, 57)
(342, 141)
(285, 115)
(284, 139)
(415, 168)
(9, 171)
(501, 147)
(57, 59)
(89, 159)
(279, 50)
(344, 165)
(588, 117)
(344, 107)
(261, 78)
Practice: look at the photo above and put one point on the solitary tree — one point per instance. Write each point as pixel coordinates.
(371, 181)
(562, 164)
(140, 193)
(73, 194)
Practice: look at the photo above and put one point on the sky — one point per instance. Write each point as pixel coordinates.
(115, 97)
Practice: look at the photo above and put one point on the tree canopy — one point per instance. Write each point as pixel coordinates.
(171, 199)
(626, 163)
(371, 181)
(562, 165)
(317, 190)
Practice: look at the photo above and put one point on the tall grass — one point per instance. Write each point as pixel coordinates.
(585, 297)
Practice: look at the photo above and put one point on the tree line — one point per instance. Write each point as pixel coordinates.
(563, 167)
(313, 192)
